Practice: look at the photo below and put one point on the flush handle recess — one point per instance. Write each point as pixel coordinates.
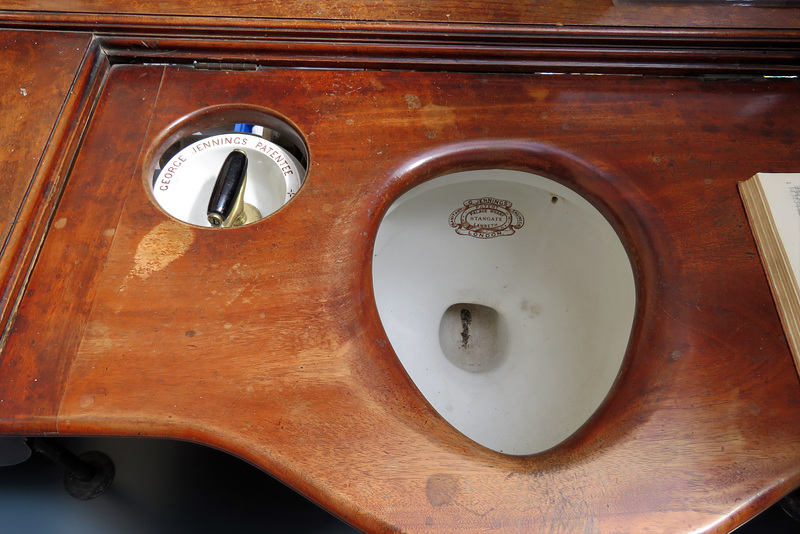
(226, 180)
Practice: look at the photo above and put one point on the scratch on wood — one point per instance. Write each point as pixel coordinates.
(231, 405)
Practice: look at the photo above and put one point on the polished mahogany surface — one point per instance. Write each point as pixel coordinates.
(181, 13)
(39, 72)
(32, 97)
(265, 341)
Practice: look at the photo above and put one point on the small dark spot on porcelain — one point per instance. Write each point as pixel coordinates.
(466, 320)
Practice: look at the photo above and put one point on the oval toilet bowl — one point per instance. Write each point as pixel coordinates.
(508, 299)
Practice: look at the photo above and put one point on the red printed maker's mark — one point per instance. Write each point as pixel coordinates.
(486, 217)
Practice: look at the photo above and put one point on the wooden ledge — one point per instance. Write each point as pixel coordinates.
(268, 345)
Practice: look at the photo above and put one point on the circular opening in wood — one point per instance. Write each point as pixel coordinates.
(227, 167)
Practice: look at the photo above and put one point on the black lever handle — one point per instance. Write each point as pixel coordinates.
(226, 207)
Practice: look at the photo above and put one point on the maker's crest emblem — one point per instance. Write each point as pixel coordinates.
(486, 217)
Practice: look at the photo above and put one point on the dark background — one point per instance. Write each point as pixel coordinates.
(166, 486)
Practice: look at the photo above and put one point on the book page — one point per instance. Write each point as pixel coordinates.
(782, 192)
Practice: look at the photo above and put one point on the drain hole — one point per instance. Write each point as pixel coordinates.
(472, 337)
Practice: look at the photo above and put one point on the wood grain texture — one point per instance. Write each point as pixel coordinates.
(33, 94)
(109, 14)
(30, 389)
(265, 340)
(44, 82)
(584, 36)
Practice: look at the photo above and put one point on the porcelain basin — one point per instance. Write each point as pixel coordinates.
(509, 300)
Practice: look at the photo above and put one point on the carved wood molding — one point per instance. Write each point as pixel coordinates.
(480, 50)
(648, 45)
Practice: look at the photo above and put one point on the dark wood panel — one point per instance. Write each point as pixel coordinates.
(557, 12)
(568, 36)
(292, 371)
(42, 84)
(33, 93)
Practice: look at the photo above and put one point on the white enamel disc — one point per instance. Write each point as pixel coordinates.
(184, 185)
